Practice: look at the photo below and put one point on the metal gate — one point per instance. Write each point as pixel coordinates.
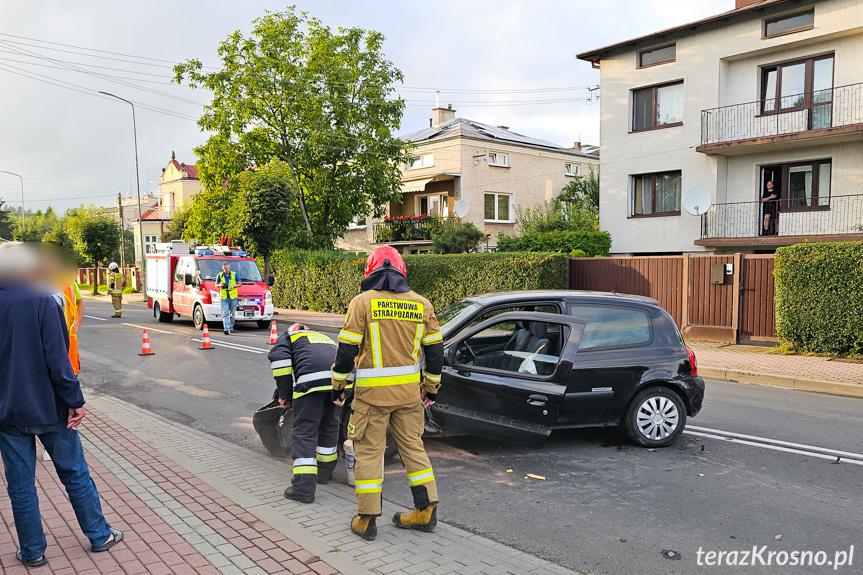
(757, 306)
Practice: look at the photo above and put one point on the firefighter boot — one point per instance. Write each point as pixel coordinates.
(364, 527)
(292, 493)
(421, 519)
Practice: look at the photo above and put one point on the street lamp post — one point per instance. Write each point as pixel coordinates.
(23, 217)
(138, 183)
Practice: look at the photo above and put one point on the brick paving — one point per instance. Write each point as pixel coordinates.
(758, 360)
(189, 502)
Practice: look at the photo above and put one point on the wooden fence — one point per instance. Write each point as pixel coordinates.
(733, 307)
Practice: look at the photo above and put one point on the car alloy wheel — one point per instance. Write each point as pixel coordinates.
(657, 418)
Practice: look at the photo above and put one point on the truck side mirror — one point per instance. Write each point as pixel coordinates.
(187, 279)
(271, 280)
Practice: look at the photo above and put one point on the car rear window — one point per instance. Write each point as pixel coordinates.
(612, 326)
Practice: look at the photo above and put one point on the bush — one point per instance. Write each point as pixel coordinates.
(819, 297)
(327, 281)
(591, 243)
(460, 239)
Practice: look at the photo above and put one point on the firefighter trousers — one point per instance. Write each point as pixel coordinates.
(314, 439)
(368, 430)
(117, 300)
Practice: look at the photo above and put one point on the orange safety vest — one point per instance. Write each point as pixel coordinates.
(71, 312)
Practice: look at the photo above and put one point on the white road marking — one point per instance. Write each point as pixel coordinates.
(769, 446)
(232, 346)
(235, 344)
(800, 446)
(150, 328)
(94, 317)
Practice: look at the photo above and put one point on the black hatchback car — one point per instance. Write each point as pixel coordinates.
(521, 364)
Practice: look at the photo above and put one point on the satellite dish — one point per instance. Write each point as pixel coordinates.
(697, 199)
(460, 208)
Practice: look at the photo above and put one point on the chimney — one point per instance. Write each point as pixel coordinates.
(577, 146)
(743, 3)
(442, 115)
(503, 127)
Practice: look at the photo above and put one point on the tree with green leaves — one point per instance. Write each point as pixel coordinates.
(6, 224)
(580, 198)
(96, 236)
(322, 102)
(177, 227)
(458, 239)
(212, 214)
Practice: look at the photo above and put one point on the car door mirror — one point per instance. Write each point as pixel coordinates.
(187, 279)
(271, 280)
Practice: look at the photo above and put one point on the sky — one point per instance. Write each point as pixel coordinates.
(75, 147)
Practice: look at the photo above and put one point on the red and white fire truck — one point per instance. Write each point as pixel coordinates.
(181, 281)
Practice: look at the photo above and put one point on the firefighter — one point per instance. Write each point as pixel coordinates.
(116, 283)
(390, 333)
(301, 361)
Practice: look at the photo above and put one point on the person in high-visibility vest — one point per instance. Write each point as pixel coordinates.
(392, 337)
(301, 361)
(228, 282)
(116, 283)
(73, 309)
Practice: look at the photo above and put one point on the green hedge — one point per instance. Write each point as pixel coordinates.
(326, 281)
(591, 243)
(819, 297)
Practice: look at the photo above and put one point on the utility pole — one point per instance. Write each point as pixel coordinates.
(122, 231)
(138, 183)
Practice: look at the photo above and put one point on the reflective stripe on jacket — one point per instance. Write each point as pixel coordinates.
(301, 362)
(391, 331)
(231, 291)
(117, 281)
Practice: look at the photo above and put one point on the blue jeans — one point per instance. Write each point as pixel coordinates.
(229, 310)
(18, 448)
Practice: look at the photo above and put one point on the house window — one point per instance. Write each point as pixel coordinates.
(358, 223)
(421, 161)
(498, 208)
(498, 159)
(571, 169)
(657, 107)
(656, 194)
(801, 185)
(661, 55)
(149, 243)
(433, 205)
(789, 23)
(801, 84)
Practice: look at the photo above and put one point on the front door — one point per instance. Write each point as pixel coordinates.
(505, 378)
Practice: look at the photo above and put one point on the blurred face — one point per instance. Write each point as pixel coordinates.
(226, 268)
(769, 186)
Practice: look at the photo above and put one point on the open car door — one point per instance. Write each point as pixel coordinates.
(505, 378)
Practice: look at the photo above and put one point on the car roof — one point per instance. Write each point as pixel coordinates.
(569, 295)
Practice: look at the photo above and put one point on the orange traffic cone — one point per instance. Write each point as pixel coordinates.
(145, 345)
(206, 339)
(274, 333)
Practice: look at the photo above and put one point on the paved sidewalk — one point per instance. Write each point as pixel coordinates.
(191, 503)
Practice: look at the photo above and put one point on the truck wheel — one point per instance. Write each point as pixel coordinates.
(263, 323)
(161, 316)
(198, 317)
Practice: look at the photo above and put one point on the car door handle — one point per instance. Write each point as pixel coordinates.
(536, 399)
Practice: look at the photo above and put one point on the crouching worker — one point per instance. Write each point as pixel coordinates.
(301, 361)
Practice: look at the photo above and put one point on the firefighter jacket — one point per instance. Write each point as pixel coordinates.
(227, 285)
(301, 362)
(116, 282)
(389, 336)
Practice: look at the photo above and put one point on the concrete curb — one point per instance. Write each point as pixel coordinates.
(783, 381)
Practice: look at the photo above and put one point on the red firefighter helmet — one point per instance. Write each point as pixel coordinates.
(297, 327)
(385, 256)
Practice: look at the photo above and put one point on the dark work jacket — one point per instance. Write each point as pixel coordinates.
(37, 383)
(301, 362)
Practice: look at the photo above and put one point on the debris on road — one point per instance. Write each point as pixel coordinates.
(778, 538)
(532, 476)
(509, 470)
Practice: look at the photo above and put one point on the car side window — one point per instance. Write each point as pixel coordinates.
(611, 326)
(524, 347)
(543, 308)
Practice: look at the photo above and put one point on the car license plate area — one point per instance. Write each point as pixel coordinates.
(249, 312)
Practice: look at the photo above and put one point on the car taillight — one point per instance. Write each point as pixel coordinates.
(692, 362)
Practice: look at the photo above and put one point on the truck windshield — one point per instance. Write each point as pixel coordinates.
(247, 270)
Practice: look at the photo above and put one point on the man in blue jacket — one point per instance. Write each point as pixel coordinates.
(40, 397)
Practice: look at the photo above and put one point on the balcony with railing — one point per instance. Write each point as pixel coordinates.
(836, 113)
(408, 229)
(836, 218)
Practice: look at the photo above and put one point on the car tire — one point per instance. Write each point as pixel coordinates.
(655, 417)
(198, 317)
(161, 316)
(263, 323)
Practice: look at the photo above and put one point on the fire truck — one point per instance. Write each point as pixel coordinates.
(181, 281)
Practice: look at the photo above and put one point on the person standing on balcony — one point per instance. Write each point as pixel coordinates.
(770, 200)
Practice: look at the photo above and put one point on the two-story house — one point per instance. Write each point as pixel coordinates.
(763, 105)
(491, 168)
